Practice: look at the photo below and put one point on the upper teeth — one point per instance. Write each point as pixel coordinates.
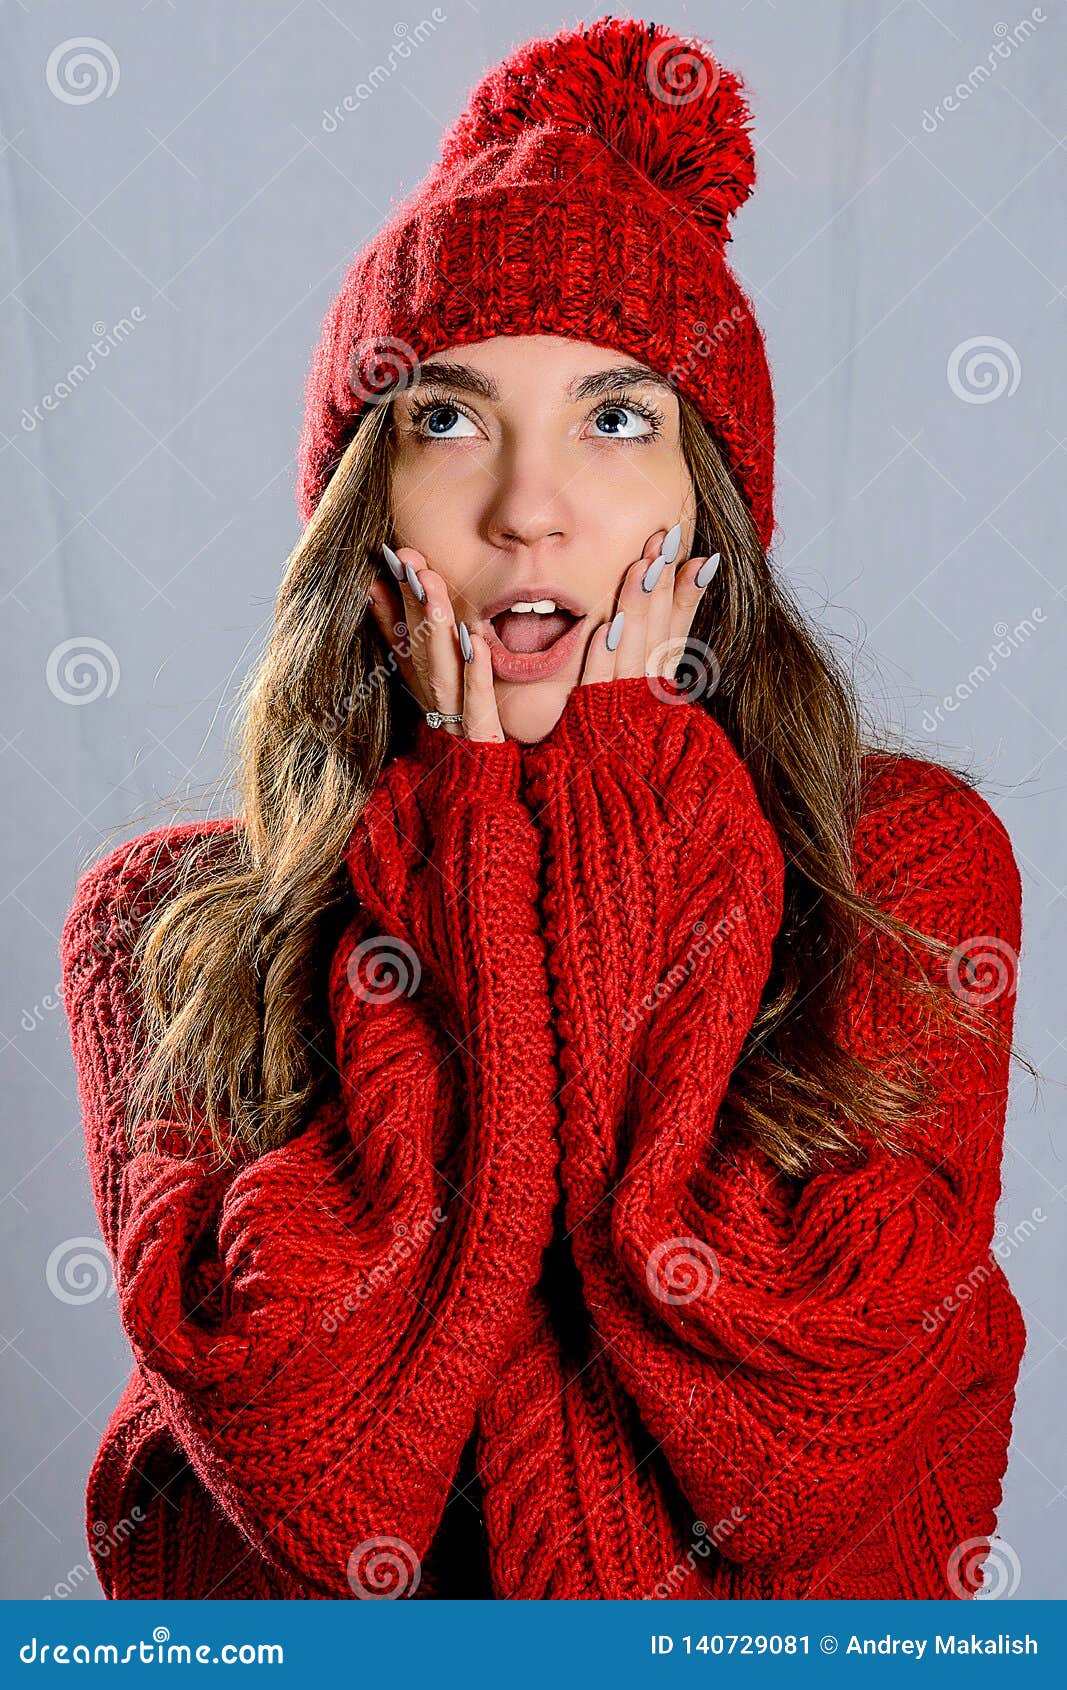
(543, 607)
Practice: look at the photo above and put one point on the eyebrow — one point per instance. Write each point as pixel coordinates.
(463, 378)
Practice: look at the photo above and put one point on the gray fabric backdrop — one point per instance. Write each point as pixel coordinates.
(180, 198)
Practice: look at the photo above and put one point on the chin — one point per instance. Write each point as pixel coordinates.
(528, 713)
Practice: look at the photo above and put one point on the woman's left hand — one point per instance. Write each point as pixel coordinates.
(654, 624)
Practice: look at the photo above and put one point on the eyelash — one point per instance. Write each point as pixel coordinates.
(435, 401)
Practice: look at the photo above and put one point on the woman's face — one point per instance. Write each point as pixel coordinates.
(533, 467)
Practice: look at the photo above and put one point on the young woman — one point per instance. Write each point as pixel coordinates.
(549, 1141)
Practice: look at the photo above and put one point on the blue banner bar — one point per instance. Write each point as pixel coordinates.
(548, 1645)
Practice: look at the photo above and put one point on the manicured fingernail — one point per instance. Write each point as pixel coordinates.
(394, 562)
(653, 573)
(615, 631)
(415, 584)
(669, 548)
(465, 643)
(707, 570)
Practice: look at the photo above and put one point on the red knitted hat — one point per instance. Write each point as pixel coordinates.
(585, 191)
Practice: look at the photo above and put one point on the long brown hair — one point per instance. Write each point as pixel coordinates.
(231, 959)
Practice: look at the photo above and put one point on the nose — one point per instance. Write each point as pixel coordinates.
(529, 506)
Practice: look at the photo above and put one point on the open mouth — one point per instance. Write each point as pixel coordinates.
(526, 631)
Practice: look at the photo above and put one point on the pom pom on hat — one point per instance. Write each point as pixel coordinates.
(660, 101)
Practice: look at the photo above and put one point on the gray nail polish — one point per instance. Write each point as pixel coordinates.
(394, 562)
(653, 573)
(615, 631)
(669, 548)
(465, 643)
(707, 570)
(415, 584)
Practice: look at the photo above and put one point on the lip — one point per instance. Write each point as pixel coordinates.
(532, 665)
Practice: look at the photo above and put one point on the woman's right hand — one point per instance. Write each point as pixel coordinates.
(425, 642)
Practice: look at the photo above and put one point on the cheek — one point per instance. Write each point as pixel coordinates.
(426, 504)
(629, 493)
(436, 513)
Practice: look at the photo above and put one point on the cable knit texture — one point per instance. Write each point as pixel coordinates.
(520, 1313)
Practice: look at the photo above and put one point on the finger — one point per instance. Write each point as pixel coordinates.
(634, 602)
(481, 718)
(599, 660)
(687, 599)
(433, 635)
(660, 597)
(387, 609)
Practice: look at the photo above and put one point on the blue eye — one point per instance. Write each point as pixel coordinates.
(435, 417)
(431, 413)
(629, 422)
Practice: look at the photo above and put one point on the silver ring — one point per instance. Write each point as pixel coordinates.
(435, 719)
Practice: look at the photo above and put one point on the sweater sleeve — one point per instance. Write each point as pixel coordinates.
(319, 1323)
(789, 1345)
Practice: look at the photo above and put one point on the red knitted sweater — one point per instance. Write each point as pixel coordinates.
(520, 1262)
